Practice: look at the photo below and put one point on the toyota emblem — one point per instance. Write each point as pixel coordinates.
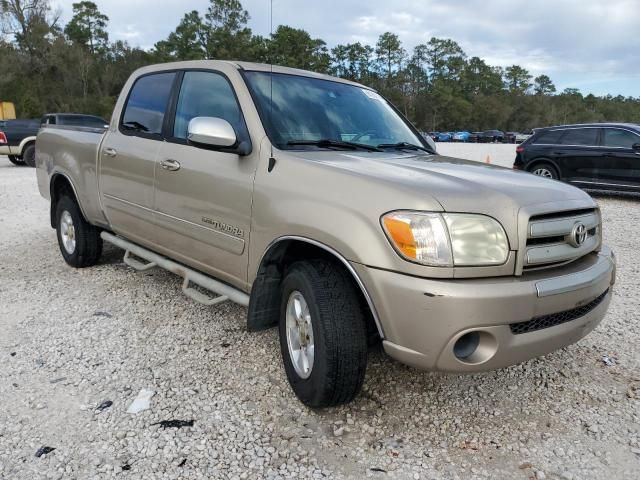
(578, 235)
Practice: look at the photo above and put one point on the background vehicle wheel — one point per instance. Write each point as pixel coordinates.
(29, 155)
(545, 170)
(16, 161)
(323, 336)
(79, 241)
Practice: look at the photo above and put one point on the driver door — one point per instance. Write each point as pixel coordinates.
(203, 196)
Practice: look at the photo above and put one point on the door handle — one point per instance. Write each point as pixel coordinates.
(171, 165)
(110, 152)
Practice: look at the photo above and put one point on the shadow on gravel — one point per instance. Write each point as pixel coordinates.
(111, 255)
(624, 196)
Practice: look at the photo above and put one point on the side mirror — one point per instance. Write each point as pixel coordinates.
(211, 131)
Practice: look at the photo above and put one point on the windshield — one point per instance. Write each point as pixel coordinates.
(315, 113)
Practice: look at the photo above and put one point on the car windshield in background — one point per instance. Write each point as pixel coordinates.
(316, 113)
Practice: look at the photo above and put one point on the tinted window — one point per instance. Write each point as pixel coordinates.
(95, 122)
(147, 103)
(310, 109)
(206, 94)
(619, 138)
(82, 121)
(552, 137)
(580, 136)
(70, 120)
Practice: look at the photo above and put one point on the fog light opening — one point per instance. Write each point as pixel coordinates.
(466, 345)
(475, 347)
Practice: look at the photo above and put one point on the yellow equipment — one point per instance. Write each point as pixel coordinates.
(7, 111)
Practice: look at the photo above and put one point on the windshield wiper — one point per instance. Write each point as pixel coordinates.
(404, 146)
(135, 126)
(328, 143)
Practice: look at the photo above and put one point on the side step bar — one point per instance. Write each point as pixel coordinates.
(223, 291)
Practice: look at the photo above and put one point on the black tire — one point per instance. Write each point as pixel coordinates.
(16, 161)
(29, 155)
(88, 244)
(339, 333)
(544, 169)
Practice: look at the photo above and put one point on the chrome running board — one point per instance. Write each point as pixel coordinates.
(222, 291)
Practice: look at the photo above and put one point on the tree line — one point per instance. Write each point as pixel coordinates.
(75, 67)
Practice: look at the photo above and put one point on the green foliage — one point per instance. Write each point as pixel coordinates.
(88, 27)
(188, 42)
(76, 69)
(295, 48)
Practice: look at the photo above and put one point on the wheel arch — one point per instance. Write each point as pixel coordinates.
(60, 185)
(264, 303)
(24, 143)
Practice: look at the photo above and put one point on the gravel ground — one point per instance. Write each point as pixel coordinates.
(73, 339)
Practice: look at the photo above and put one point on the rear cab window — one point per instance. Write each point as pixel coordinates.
(144, 112)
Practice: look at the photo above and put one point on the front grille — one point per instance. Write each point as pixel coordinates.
(546, 321)
(549, 238)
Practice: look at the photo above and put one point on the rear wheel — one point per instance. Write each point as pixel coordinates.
(545, 169)
(79, 241)
(29, 155)
(323, 335)
(16, 161)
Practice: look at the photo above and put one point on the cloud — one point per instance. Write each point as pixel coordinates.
(573, 41)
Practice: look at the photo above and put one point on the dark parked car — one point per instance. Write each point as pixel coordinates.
(491, 136)
(18, 141)
(599, 156)
(510, 137)
(18, 137)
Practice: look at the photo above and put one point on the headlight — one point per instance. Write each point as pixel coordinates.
(447, 239)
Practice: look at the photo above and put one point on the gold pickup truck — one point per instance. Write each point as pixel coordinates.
(314, 202)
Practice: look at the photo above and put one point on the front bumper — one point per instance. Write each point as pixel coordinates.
(422, 319)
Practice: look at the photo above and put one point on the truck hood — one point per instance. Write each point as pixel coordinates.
(460, 185)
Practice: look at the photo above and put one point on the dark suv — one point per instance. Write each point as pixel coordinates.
(597, 156)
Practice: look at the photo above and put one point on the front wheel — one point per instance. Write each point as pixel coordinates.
(80, 242)
(16, 161)
(323, 335)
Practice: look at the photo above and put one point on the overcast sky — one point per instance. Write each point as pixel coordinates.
(592, 45)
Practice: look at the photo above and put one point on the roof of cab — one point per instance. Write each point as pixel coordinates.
(243, 66)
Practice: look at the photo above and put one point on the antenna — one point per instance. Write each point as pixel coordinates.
(271, 75)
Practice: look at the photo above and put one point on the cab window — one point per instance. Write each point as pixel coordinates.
(614, 137)
(147, 104)
(206, 94)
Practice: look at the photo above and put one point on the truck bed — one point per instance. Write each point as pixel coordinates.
(72, 152)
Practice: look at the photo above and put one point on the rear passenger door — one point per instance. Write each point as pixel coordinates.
(578, 154)
(203, 202)
(622, 162)
(128, 157)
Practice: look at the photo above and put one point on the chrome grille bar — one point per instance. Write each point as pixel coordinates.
(561, 246)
